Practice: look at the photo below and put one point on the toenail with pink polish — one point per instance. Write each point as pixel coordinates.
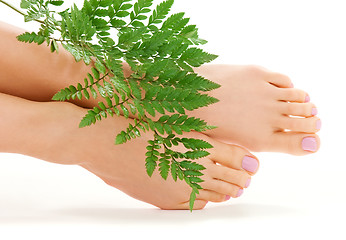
(250, 164)
(228, 197)
(240, 192)
(318, 124)
(247, 184)
(309, 144)
(292, 86)
(307, 98)
(314, 111)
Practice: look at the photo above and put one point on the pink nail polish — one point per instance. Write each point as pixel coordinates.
(292, 86)
(227, 197)
(250, 164)
(307, 98)
(309, 144)
(318, 124)
(247, 184)
(314, 111)
(240, 192)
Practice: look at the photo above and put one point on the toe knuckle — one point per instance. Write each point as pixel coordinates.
(292, 93)
(220, 188)
(231, 190)
(290, 108)
(290, 123)
(300, 95)
(225, 174)
(238, 178)
(236, 152)
(219, 198)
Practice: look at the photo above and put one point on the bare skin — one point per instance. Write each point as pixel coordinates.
(49, 131)
(254, 110)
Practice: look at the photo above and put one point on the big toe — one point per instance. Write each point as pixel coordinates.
(295, 143)
(235, 157)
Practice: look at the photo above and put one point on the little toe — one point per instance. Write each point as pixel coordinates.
(279, 80)
(303, 125)
(235, 157)
(292, 95)
(211, 196)
(237, 177)
(295, 143)
(298, 109)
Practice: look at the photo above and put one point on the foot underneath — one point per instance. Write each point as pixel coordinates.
(58, 139)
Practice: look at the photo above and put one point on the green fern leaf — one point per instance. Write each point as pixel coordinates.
(160, 12)
(196, 154)
(195, 144)
(164, 167)
(193, 173)
(192, 200)
(56, 2)
(160, 51)
(196, 57)
(174, 171)
(88, 119)
(31, 37)
(151, 164)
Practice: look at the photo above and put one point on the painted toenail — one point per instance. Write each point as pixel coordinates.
(314, 112)
(318, 124)
(227, 197)
(250, 164)
(292, 86)
(247, 184)
(309, 144)
(240, 192)
(307, 98)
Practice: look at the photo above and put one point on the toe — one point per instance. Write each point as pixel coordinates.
(292, 95)
(223, 188)
(233, 156)
(298, 109)
(211, 196)
(280, 80)
(295, 143)
(304, 125)
(237, 177)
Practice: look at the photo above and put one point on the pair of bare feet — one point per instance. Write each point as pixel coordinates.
(259, 110)
(255, 111)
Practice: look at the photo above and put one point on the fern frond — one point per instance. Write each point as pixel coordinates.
(137, 15)
(160, 12)
(175, 22)
(178, 123)
(161, 52)
(196, 57)
(152, 156)
(158, 98)
(132, 131)
(31, 37)
(186, 80)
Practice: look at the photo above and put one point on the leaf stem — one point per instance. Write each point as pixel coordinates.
(17, 10)
(14, 8)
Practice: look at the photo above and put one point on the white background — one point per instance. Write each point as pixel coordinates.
(290, 197)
